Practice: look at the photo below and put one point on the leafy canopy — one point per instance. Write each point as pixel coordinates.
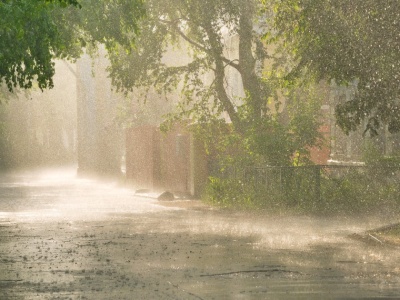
(348, 42)
(28, 38)
(201, 30)
(33, 33)
(196, 49)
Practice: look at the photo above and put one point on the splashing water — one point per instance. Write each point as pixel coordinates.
(60, 194)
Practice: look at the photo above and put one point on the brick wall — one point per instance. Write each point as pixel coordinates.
(170, 161)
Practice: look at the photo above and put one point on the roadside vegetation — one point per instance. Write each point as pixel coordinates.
(331, 41)
(366, 190)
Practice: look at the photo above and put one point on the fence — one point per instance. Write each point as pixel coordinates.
(331, 185)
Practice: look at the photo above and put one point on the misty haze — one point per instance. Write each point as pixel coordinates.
(188, 149)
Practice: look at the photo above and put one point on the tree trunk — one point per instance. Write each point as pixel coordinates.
(219, 72)
(247, 62)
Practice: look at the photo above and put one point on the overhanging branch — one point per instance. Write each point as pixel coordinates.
(174, 23)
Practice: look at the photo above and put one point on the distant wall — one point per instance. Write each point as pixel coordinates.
(172, 161)
(140, 156)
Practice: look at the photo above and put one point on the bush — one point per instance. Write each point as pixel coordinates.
(234, 193)
(308, 190)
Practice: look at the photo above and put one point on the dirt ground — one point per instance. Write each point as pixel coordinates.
(84, 241)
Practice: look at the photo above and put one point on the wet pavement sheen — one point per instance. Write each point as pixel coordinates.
(67, 238)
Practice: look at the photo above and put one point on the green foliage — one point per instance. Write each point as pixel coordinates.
(308, 190)
(286, 138)
(372, 156)
(346, 42)
(369, 190)
(33, 33)
(282, 138)
(65, 3)
(28, 39)
(197, 31)
(234, 193)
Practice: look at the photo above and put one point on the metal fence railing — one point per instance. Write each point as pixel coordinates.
(320, 182)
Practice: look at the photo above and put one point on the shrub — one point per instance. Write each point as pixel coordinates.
(308, 190)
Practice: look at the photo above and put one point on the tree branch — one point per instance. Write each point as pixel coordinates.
(198, 45)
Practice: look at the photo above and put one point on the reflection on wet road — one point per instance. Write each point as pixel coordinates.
(68, 238)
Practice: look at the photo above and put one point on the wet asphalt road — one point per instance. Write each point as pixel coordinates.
(68, 238)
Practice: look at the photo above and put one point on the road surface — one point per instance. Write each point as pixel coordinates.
(62, 237)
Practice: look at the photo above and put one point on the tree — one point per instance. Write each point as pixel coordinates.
(215, 39)
(347, 42)
(33, 33)
(29, 41)
(204, 26)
